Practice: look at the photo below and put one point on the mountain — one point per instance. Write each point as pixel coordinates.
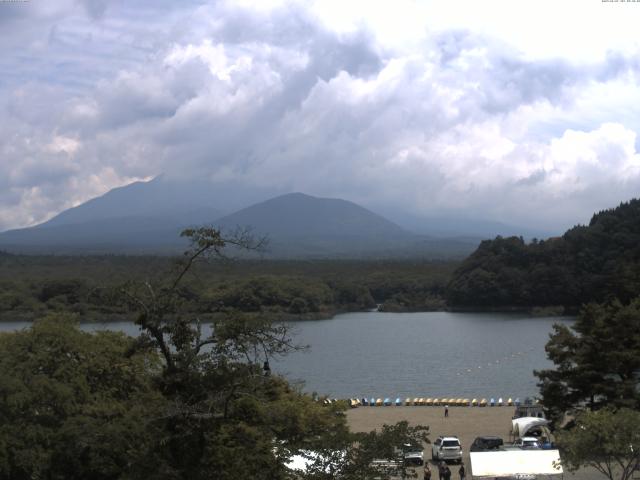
(193, 201)
(147, 217)
(299, 225)
(302, 226)
(201, 201)
(142, 217)
(298, 215)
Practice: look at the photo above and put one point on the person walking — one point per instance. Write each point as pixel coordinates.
(441, 470)
(447, 473)
(446, 411)
(427, 472)
(462, 472)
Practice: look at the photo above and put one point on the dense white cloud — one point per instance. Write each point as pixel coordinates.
(411, 108)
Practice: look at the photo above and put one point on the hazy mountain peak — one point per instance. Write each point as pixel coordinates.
(300, 215)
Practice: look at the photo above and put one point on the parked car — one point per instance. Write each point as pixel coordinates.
(414, 458)
(527, 442)
(446, 448)
(483, 444)
(528, 411)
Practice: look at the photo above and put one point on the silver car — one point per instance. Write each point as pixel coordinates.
(527, 442)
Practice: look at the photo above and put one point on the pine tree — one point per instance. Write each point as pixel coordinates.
(597, 360)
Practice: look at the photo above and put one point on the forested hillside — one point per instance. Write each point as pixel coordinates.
(588, 263)
(31, 286)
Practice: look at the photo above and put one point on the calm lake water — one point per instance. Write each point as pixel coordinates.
(434, 354)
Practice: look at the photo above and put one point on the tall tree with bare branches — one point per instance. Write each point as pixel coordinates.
(228, 417)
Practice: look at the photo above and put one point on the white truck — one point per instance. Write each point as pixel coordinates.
(447, 449)
(516, 463)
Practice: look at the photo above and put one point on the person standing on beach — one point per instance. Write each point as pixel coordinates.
(446, 411)
(461, 472)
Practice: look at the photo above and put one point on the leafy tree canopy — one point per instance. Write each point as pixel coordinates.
(606, 440)
(74, 404)
(597, 360)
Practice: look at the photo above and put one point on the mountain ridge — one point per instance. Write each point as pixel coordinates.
(297, 225)
(299, 214)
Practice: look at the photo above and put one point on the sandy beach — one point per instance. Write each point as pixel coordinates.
(466, 423)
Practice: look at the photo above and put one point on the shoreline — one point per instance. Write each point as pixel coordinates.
(288, 317)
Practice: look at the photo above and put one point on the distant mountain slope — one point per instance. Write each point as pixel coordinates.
(449, 226)
(111, 235)
(588, 263)
(139, 217)
(300, 215)
(302, 226)
(153, 199)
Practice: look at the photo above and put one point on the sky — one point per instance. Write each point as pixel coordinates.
(525, 112)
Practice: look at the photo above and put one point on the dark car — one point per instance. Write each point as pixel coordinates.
(482, 444)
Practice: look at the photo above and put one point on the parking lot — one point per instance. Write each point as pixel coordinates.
(466, 423)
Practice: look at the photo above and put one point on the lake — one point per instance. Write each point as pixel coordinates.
(433, 354)
(429, 354)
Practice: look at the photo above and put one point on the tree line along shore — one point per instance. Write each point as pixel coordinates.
(295, 290)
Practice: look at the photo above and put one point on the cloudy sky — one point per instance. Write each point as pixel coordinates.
(526, 112)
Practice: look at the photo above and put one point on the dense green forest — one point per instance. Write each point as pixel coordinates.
(587, 264)
(88, 285)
